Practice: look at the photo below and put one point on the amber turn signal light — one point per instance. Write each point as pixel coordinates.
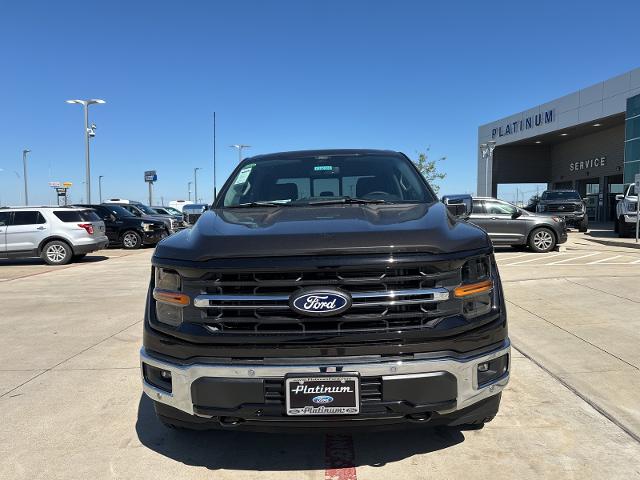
(473, 288)
(172, 298)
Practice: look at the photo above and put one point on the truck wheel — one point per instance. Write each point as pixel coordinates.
(616, 226)
(542, 240)
(624, 231)
(131, 240)
(584, 225)
(56, 252)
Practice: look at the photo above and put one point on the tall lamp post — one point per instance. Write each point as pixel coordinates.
(100, 177)
(89, 132)
(195, 183)
(24, 171)
(486, 149)
(240, 146)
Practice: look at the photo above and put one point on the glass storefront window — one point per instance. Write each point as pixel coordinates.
(633, 106)
(630, 170)
(632, 128)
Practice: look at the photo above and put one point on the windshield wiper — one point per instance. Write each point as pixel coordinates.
(259, 204)
(350, 200)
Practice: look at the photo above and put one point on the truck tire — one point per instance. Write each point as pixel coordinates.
(616, 226)
(542, 240)
(624, 230)
(583, 227)
(131, 240)
(57, 252)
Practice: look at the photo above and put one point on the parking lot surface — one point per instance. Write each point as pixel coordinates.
(72, 407)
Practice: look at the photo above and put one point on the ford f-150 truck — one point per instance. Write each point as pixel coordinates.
(626, 212)
(327, 289)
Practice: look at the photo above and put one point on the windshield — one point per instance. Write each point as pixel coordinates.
(119, 211)
(561, 196)
(324, 179)
(172, 211)
(145, 209)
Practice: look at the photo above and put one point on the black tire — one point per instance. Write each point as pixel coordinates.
(131, 240)
(56, 252)
(616, 226)
(584, 226)
(542, 240)
(79, 256)
(624, 231)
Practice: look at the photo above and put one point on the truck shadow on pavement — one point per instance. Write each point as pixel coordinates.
(235, 450)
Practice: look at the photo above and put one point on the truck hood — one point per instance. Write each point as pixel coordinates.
(322, 230)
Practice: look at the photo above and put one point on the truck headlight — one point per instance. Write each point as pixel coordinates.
(632, 207)
(170, 301)
(476, 288)
(147, 227)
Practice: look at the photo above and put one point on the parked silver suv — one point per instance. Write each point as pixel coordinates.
(55, 234)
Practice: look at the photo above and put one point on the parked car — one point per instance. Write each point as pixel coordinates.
(176, 215)
(192, 212)
(141, 210)
(124, 228)
(626, 212)
(58, 235)
(325, 288)
(567, 204)
(508, 224)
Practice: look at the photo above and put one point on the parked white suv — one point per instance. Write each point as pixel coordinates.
(55, 234)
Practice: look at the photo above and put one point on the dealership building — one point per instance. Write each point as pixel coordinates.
(588, 140)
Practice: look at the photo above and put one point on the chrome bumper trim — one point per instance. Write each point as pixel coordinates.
(464, 369)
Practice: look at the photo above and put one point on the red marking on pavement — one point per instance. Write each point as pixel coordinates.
(340, 458)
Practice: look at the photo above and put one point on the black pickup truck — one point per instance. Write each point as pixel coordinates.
(328, 289)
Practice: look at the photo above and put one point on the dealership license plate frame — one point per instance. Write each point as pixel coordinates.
(349, 407)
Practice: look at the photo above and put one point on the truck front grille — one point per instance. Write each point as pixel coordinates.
(561, 207)
(384, 300)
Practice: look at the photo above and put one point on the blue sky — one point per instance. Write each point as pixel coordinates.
(403, 75)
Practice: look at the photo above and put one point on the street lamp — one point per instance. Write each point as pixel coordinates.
(195, 183)
(239, 146)
(486, 149)
(24, 170)
(100, 177)
(89, 132)
(189, 190)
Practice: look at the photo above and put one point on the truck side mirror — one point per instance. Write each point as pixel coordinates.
(459, 206)
(619, 197)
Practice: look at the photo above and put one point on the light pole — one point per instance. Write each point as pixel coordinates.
(240, 146)
(24, 170)
(189, 190)
(100, 187)
(195, 183)
(89, 132)
(486, 149)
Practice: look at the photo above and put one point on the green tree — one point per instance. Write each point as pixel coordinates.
(429, 169)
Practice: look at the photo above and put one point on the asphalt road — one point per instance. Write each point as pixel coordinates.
(72, 407)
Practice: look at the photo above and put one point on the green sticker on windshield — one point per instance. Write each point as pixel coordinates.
(244, 174)
(323, 168)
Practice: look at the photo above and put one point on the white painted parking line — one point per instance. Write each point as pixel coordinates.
(637, 261)
(604, 260)
(536, 257)
(573, 258)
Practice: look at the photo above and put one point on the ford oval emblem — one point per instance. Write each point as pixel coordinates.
(322, 399)
(320, 303)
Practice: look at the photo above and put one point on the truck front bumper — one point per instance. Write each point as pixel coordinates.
(443, 386)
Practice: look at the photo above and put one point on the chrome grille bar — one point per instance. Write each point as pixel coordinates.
(382, 298)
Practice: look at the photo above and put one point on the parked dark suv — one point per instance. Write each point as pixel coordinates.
(507, 224)
(325, 289)
(567, 204)
(124, 228)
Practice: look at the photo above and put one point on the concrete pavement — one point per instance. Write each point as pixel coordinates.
(72, 407)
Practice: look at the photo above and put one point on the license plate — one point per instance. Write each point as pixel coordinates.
(323, 395)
